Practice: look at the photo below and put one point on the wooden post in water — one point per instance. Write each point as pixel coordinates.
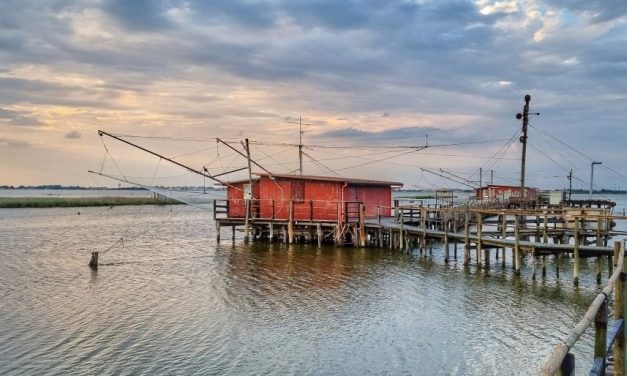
(600, 332)
(217, 232)
(390, 238)
(423, 224)
(246, 219)
(467, 239)
(290, 224)
(319, 233)
(504, 235)
(271, 229)
(233, 233)
(93, 262)
(516, 244)
(598, 267)
(446, 248)
(545, 228)
(543, 266)
(401, 245)
(533, 263)
(479, 244)
(576, 254)
(557, 265)
(620, 302)
(362, 225)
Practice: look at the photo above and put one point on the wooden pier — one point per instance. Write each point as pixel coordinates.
(481, 230)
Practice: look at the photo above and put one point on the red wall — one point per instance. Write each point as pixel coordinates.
(375, 197)
(314, 199)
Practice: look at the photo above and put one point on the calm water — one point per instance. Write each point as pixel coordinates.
(169, 300)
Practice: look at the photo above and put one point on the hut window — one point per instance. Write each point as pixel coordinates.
(298, 190)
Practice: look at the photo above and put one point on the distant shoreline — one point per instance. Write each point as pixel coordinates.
(73, 202)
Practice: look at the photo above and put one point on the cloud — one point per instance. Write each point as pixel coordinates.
(16, 144)
(216, 68)
(19, 118)
(73, 135)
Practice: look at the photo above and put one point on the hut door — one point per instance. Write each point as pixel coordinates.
(355, 195)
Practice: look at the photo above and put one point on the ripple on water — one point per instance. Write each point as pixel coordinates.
(172, 301)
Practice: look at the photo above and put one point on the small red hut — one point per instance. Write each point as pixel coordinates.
(313, 198)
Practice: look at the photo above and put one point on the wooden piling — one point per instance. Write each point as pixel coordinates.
(217, 232)
(93, 262)
(620, 307)
(290, 224)
(271, 234)
(446, 247)
(516, 250)
(598, 269)
(533, 263)
(600, 332)
(479, 244)
(543, 266)
(246, 221)
(467, 239)
(545, 228)
(576, 254)
(362, 225)
(320, 234)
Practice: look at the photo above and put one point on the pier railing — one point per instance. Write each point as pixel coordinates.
(562, 361)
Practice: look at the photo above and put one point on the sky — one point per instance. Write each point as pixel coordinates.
(395, 90)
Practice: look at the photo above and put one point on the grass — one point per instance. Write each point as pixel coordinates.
(68, 202)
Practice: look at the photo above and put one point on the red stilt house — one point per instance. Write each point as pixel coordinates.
(312, 198)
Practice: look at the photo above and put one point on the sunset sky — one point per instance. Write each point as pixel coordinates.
(363, 75)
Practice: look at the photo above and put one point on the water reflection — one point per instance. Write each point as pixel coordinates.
(173, 301)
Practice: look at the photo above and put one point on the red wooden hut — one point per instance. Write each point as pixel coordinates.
(313, 198)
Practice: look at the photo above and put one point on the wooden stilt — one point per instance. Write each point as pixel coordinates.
(517, 244)
(467, 239)
(290, 224)
(93, 262)
(576, 254)
(479, 243)
(319, 233)
(217, 232)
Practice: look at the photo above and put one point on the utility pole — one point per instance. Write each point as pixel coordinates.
(491, 177)
(523, 139)
(480, 177)
(592, 179)
(570, 184)
(300, 144)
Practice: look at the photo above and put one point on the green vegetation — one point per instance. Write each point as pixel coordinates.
(52, 202)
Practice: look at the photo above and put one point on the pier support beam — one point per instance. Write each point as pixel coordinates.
(479, 243)
(467, 239)
(517, 244)
(93, 262)
(576, 254)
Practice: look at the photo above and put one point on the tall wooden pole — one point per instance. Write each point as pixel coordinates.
(523, 139)
(248, 199)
